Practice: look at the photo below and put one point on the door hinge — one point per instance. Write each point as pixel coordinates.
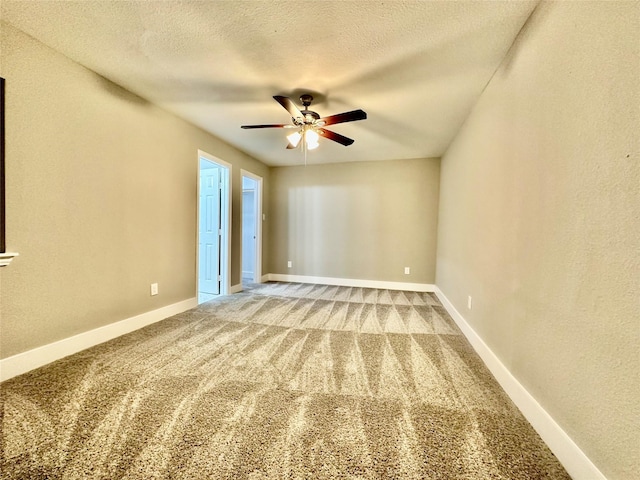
(219, 232)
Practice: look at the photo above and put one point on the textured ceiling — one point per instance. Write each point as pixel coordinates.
(415, 67)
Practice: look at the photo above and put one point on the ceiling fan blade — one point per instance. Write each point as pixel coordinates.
(277, 125)
(351, 116)
(288, 104)
(290, 147)
(336, 137)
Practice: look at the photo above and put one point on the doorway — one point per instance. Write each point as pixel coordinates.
(251, 228)
(213, 227)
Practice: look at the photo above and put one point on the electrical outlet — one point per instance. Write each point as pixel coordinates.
(407, 270)
(154, 289)
(289, 264)
(469, 302)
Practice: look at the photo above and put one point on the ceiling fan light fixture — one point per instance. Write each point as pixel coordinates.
(294, 139)
(311, 138)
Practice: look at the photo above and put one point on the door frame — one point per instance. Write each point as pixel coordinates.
(225, 222)
(257, 271)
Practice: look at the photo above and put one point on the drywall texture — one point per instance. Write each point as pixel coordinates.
(539, 209)
(360, 220)
(101, 191)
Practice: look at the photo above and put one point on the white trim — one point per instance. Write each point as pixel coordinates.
(563, 447)
(235, 288)
(29, 360)
(257, 272)
(352, 282)
(6, 257)
(265, 278)
(225, 246)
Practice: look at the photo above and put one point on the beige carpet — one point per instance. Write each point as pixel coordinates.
(281, 381)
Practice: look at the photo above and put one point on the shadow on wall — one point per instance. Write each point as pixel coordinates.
(537, 17)
(119, 92)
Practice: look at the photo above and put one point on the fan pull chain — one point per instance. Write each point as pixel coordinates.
(304, 146)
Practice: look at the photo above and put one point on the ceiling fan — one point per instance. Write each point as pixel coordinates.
(309, 126)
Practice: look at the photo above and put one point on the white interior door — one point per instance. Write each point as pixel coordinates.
(248, 235)
(210, 228)
(252, 227)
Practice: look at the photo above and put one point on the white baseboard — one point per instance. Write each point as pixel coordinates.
(563, 447)
(32, 359)
(235, 288)
(352, 282)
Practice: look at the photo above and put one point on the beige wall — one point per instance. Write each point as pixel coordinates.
(101, 199)
(363, 220)
(540, 222)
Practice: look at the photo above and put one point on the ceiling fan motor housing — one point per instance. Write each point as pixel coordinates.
(309, 113)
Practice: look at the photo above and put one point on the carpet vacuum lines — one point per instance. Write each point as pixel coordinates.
(281, 381)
